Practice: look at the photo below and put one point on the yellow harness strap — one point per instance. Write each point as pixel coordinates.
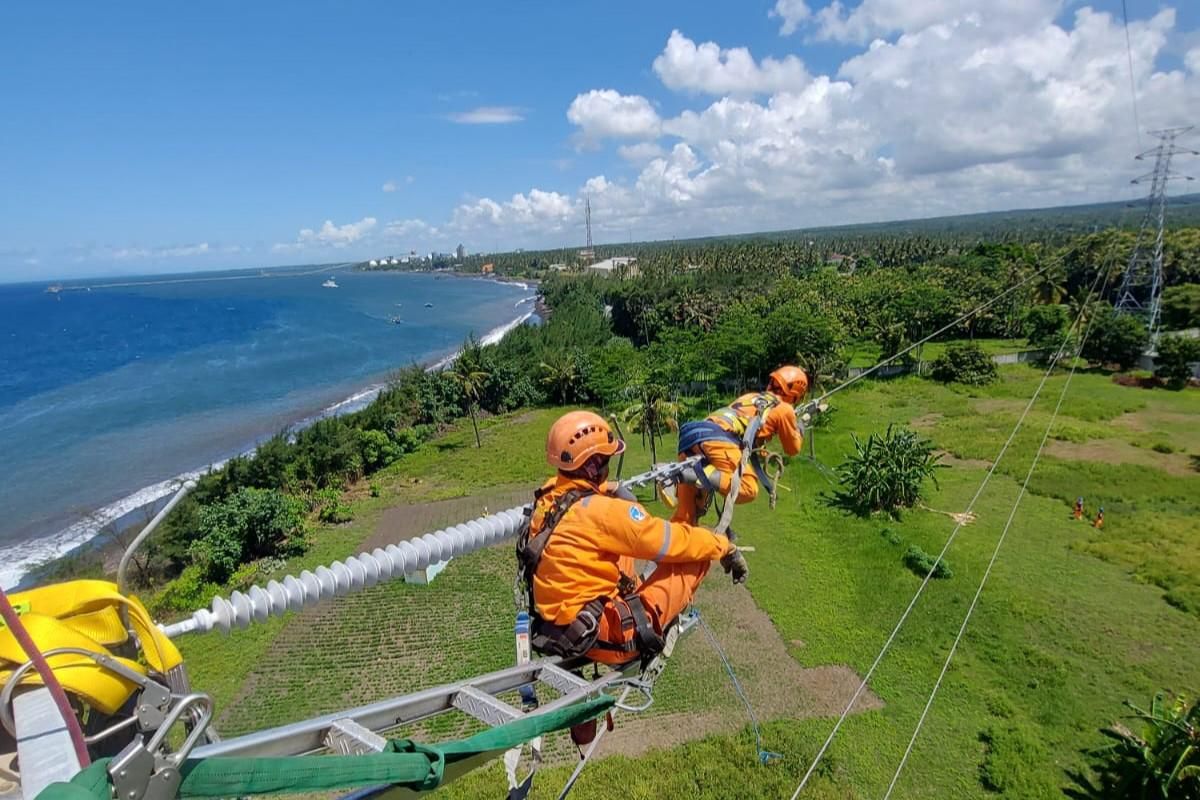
(87, 615)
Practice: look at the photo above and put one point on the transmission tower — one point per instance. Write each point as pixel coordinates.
(1141, 287)
(588, 254)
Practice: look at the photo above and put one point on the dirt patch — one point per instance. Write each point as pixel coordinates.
(992, 405)
(951, 460)
(1118, 451)
(777, 685)
(927, 422)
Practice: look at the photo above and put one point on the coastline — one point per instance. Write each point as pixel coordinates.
(23, 559)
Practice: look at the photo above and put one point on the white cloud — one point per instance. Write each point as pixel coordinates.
(390, 186)
(792, 12)
(641, 152)
(136, 252)
(329, 235)
(872, 18)
(408, 228)
(605, 113)
(1192, 60)
(488, 115)
(684, 65)
(970, 105)
(545, 210)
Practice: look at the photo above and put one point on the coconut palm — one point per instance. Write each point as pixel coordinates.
(470, 376)
(652, 414)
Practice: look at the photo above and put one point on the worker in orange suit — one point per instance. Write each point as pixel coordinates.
(578, 555)
(719, 440)
(1099, 521)
(1078, 508)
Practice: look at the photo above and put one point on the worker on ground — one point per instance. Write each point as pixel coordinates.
(1099, 521)
(578, 555)
(719, 440)
(1079, 508)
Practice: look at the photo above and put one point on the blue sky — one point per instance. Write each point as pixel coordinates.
(140, 137)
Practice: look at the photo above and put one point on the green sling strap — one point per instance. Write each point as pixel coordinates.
(402, 763)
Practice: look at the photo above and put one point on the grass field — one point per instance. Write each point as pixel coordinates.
(1072, 622)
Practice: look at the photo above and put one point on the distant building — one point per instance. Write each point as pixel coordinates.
(557, 267)
(372, 263)
(488, 269)
(460, 252)
(616, 265)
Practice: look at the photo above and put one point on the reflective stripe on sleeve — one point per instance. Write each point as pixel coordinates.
(662, 551)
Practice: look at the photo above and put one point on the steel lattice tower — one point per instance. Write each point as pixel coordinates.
(1141, 287)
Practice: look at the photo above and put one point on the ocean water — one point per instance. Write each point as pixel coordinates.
(110, 391)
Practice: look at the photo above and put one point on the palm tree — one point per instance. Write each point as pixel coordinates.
(652, 415)
(470, 376)
(1050, 287)
(561, 376)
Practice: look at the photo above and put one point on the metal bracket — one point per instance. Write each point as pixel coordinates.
(485, 708)
(560, 680)
(346, 737)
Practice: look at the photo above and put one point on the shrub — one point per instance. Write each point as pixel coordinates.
(1162, 447)
(887, 472)
(1173, 363)
(250, 524)
(374, 489)
(1159, 758)
(330, 507)
(964, 363)
(378, 450)
(1115, 339)
(922, 564)
(1046, 327)
(186, 593)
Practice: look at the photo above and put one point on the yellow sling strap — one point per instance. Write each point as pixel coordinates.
(93, 608)
(79, 675)
(86, 614)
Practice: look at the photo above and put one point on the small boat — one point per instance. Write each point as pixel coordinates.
(330, 284)
(396, 320)
(429, 305)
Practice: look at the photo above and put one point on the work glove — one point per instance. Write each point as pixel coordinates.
(690, 475)
(735, 565)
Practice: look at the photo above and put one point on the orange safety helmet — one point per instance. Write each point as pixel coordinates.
(576, 437)
(789, 382)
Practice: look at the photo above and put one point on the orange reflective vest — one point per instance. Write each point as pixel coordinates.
(581, 559)
(779, 420)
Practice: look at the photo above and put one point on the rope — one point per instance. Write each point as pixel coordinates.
(936, 333)
(995, 553)
(1137, 126)
(13, 621)
(953, 535)
(764, 756)
(587, 756)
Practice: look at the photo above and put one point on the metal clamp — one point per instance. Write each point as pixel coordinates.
(151, 708)
(142, 772)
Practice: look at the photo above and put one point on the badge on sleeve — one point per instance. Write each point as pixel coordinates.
(636, 513)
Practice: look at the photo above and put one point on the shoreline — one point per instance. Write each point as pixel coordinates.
(25, 558)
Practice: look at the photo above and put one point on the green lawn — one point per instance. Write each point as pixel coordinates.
(866, 353)
(1072, 622)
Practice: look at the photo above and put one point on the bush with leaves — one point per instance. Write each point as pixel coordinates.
(250, 524)
(1158, 758)
(964, 363)
(1047, 327)
(1181, 306)
(887, 472)
(1173, 363)
(922, 564)
(1115, 339)
(330, 507)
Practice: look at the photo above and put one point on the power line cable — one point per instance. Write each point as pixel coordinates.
(995, 553)
(1137, 126)
(953, 534)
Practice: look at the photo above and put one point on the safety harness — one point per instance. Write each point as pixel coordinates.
(580, 636)
(694, 434)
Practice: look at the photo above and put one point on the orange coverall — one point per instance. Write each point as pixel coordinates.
(597, 539)
(780, 420)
